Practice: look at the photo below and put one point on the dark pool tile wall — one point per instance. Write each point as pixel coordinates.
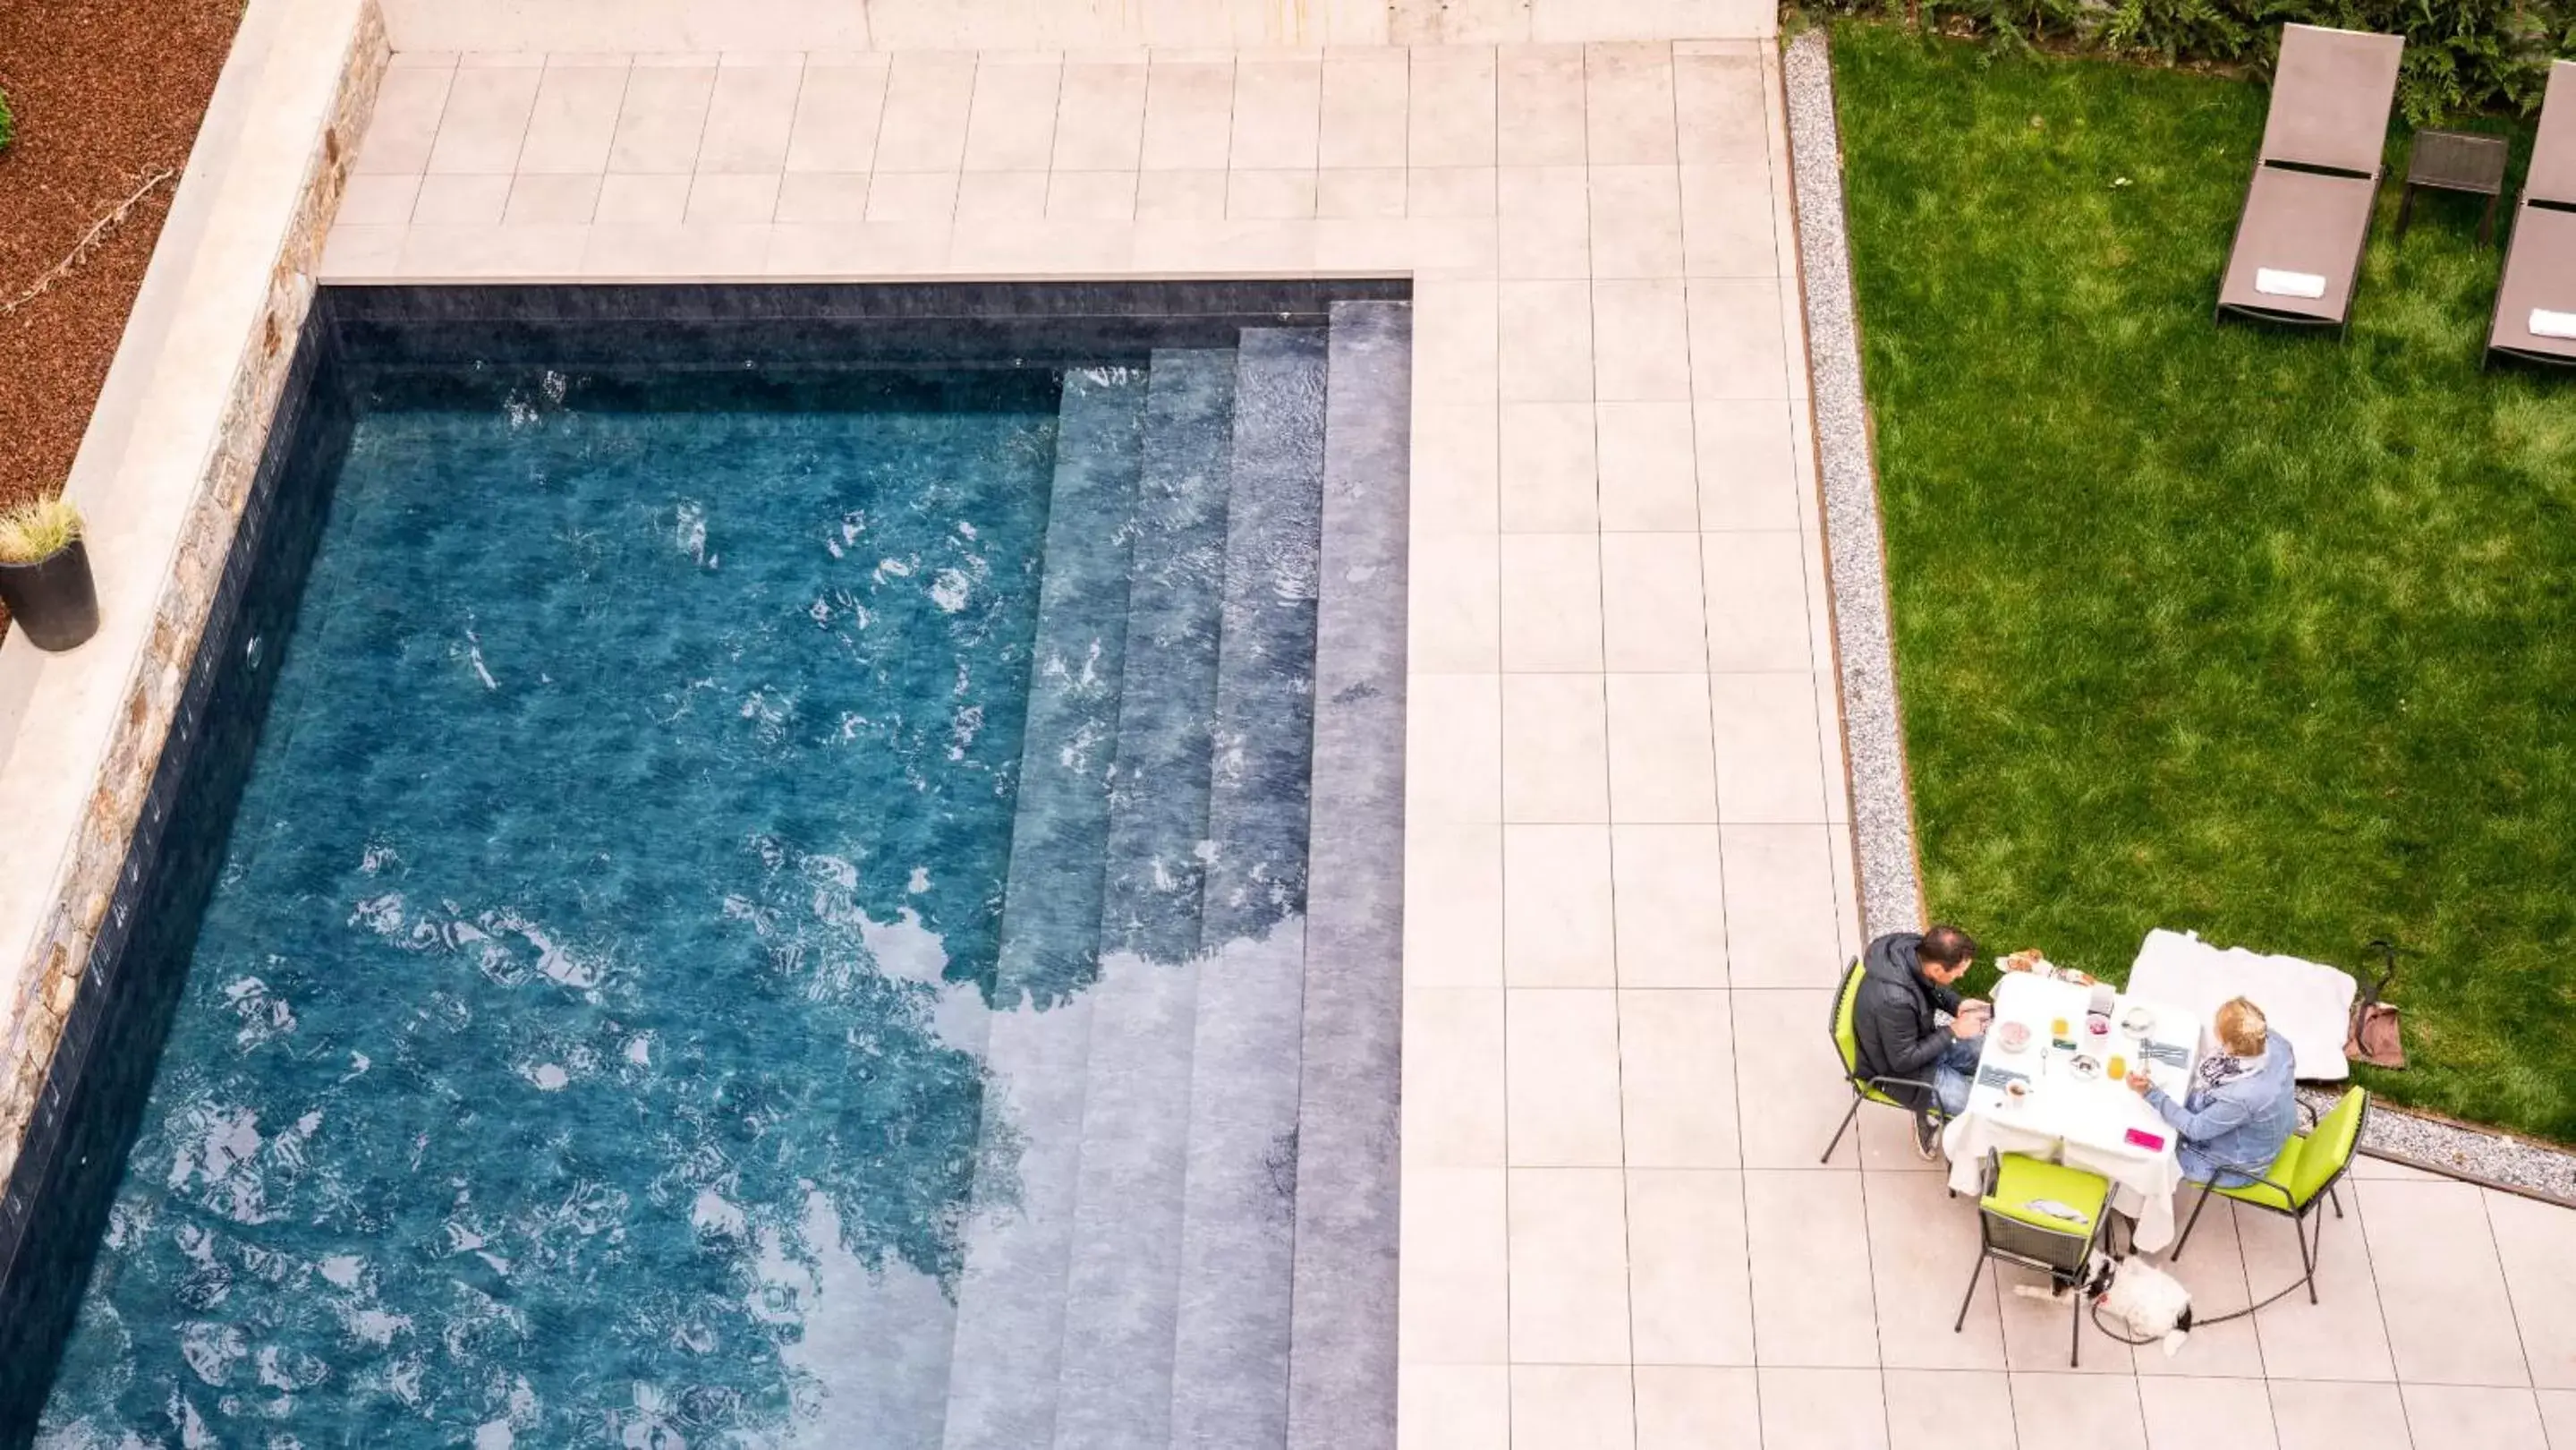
(55, 1206)
(1035, 324)
(53, 1210)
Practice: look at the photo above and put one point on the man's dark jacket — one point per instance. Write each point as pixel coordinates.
(1892, 1016)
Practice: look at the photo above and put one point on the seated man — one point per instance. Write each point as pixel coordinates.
(1909, 1022)
(2241, 1107)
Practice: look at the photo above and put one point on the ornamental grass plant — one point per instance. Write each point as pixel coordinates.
(33, 532)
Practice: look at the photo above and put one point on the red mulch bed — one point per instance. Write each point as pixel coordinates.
(106, 92)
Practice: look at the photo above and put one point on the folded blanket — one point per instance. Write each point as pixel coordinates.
(2274, 283)
(2545, 323)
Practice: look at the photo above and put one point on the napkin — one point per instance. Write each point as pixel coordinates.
(2276, 283)
(2545, 323)
(1995, 1077)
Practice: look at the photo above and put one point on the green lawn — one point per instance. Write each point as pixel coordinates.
(2255, 632)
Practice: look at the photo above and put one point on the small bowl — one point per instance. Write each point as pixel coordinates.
(2086, 1067)
(2138, 1022)
(2012, 1037)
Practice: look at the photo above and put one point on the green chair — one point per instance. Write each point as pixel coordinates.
(1865, 1089)
(2011, 1226)
(2310, 1166)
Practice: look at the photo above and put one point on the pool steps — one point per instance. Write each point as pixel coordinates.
(1115, 1385)
(1341, 1388)
(1175, 606)
(1141, 1263)
(1010, 1298)
(1229, 1369)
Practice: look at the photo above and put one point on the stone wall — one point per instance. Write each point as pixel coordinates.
(249, 286)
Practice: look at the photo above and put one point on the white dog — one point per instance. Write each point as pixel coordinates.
(2145, 1301)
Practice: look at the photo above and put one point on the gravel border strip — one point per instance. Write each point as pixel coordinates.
(2457, 1150)
(1891, 888)
(1891, 892)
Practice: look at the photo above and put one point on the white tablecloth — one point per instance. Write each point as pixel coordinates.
(2081, 1124)
(2307, 1004)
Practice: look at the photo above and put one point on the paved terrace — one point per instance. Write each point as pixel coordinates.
(1629, 865)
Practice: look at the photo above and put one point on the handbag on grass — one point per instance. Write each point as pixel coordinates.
(2373, 1038)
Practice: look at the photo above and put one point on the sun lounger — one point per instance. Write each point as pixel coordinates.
(2307, 213)
(2535, 315)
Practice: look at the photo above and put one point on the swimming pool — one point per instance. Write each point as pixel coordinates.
(769, 894)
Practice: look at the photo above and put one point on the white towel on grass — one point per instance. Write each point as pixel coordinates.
(2273, 282)
(2309, 1003)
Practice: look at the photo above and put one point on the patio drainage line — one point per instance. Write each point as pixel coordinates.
(1883, 835)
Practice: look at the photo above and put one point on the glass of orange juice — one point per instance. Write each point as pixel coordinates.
(2119, 1068)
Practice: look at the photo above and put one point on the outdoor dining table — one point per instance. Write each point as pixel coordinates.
(2068, 1119)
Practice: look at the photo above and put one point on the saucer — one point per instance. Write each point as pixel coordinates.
(2086, 1067)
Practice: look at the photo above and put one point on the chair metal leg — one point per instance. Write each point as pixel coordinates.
(1838, 1132)
(2075, 1335)
(2318, 1257)
(2176, 1256)
(2336, 1199)
(1971, 1296)
(2308, 1258)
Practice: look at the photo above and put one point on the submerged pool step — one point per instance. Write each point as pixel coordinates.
(1010, 1298)
(1231, 1339)
(1119, 1313)
(1176, 599)
(1341, 1382)
(1138, 1273)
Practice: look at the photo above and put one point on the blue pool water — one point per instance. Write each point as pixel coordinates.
(768, 904)
(635, 800)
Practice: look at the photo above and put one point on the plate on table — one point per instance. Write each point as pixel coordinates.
(2137, 1022)
(2013, 1038)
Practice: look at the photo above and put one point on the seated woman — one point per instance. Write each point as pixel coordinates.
(2241, 1106)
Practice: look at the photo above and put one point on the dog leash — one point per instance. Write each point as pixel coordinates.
(2197, 1323)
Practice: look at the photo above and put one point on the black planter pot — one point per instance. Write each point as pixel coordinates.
(54, 599)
